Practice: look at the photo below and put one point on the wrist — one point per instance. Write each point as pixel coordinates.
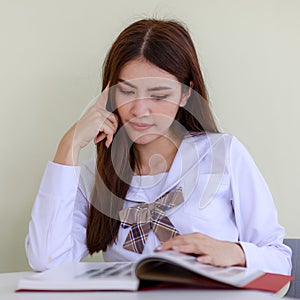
(67, 151)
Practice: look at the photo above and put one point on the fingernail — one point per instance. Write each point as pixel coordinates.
(175, 248)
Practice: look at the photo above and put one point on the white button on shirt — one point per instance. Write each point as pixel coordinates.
(225, 197)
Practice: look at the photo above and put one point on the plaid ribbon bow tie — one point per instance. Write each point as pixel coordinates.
(146, 216)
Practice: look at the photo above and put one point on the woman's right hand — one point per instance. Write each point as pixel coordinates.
(96, 124)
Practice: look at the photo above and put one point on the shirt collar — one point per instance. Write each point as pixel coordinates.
(190, 153)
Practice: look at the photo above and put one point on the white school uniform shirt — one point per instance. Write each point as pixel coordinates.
(225, 197)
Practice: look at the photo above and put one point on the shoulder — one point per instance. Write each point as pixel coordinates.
(221, 148)
(87, 177)
(238, 153)
(209, 141)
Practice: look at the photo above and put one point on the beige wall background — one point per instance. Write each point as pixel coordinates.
(51, 55)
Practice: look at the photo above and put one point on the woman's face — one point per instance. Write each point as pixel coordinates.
(147, 99)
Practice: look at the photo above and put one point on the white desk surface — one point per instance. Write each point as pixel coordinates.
(8, 283)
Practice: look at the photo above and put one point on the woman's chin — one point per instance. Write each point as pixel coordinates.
(145, 138)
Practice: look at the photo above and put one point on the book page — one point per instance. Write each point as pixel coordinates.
(235, 276)
(84, 276)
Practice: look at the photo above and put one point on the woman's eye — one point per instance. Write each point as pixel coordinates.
(159, 97)
(125, 92)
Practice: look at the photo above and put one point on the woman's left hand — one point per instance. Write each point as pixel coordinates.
(208, 250)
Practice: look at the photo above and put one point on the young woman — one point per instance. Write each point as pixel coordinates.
(164, 177)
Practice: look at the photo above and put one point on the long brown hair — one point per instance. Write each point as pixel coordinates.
(168, 45)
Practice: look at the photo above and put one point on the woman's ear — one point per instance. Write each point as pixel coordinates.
(186, 95)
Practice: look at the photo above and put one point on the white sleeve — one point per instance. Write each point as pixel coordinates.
(261, 237)
(57, 230)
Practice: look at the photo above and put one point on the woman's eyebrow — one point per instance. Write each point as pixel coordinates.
(159, 88)
(126, 82)
(153, 89)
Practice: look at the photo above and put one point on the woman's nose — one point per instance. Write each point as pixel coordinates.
(140, 107)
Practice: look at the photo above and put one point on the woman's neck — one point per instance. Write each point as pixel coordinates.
(157, 156)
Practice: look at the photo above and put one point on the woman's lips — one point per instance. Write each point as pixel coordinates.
(140, 126)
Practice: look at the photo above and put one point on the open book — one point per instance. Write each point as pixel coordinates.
(156, 270)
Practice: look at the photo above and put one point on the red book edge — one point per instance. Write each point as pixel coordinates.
(269, 282)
